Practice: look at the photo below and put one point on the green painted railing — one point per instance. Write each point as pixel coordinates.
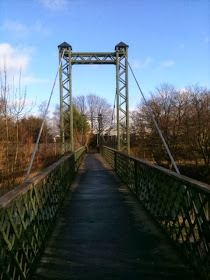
(28, 213)
(179, 204)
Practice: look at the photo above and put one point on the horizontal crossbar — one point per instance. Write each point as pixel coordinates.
(93, 58)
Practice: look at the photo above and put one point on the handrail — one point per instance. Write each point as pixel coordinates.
(23, 188)
(27, 214)
(180, 205)
(181, 177)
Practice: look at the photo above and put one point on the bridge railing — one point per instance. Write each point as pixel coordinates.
(179, 204)
(28, 213)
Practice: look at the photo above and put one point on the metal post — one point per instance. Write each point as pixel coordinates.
(118, 100)
(123, 131)
(66, 106)
(71, 104)
(127, 106)
(62, 137)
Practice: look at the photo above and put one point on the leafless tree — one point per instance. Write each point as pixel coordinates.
(98, 106)
(183, 117)
(80, 104)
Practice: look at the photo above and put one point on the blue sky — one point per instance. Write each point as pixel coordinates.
(169, 41)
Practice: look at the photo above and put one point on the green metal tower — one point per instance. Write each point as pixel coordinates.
(117, 58)
(123, 130)
(66, 105)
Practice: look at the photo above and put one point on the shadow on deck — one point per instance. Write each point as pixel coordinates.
(103, 233)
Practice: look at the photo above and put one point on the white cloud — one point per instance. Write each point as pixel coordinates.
(136, 64)
(166, 64)
(55, 5)
(16, 60)
(25, 30)
(13, 58)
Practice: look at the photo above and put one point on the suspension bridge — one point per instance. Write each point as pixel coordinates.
(104, 215)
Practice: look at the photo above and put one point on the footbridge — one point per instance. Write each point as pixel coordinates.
(105, 216)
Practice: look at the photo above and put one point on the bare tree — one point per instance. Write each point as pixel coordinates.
(80, 104)
(98, 106)
(12, 109)
(197, 123)
(183, 117)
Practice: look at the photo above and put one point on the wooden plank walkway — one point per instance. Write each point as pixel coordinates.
(103, 233)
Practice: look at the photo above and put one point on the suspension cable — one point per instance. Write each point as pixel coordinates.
(161, 136)
(43, 121)
(154, 121)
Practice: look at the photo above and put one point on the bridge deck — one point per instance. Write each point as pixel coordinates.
(103, 233)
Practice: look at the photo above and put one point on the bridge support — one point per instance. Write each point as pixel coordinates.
(118, 58)
(66, 105)
(123, 131)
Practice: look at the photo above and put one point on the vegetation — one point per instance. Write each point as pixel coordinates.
(92, 106)
(18, 133)
(94, 109)
(182, 115)
(17, 138)
(184, 119)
